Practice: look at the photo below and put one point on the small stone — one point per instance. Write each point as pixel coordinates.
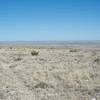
(93, 99)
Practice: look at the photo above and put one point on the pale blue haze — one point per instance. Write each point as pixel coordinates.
(36, 20)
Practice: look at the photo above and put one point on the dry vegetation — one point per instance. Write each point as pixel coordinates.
(49, 73)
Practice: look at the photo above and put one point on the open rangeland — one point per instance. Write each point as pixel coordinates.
(49, 72)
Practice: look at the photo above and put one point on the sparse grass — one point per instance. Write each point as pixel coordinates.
(34, 53)
(50, 73)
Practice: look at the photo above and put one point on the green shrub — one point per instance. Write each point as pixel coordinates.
(10, 47)
(73, 50)
(97, 60)
(34, 53)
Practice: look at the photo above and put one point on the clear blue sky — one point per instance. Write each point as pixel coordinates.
(49, 20)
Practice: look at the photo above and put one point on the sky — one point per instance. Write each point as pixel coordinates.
(44, 20)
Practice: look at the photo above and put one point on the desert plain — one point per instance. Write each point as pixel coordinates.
(55, 73)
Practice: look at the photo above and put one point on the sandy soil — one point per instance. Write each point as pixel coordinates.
(56, 73)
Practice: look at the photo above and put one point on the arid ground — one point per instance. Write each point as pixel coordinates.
(55, 73)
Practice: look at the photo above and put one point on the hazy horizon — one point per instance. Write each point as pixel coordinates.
(78, 42)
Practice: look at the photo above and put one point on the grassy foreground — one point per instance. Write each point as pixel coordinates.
(49, 72)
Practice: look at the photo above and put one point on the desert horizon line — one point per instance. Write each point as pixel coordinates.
(44, 40)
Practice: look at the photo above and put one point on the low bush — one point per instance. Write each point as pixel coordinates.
(34, 53)
(97, 60)
(73, 50)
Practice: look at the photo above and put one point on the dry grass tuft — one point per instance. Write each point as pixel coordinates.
(11, 48)
(42, 85)
(18, 59)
